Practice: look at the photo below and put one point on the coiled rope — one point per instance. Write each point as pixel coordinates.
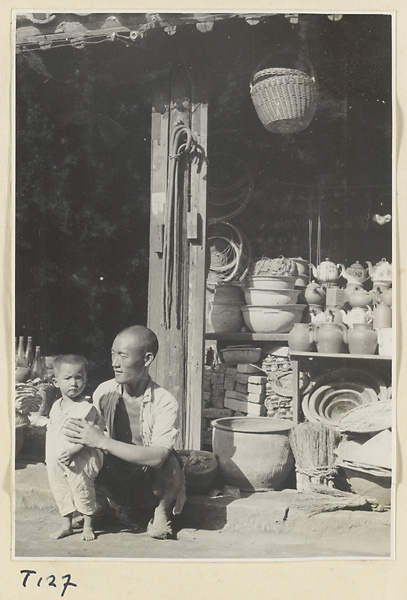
(183, 147)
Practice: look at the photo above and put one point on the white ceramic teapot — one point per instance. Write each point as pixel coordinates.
(358, 315)
(382, 271)
(327, 272)
(355, 273)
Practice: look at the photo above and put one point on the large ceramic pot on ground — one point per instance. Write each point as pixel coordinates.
(253, 453)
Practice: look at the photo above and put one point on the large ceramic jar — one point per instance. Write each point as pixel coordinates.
(253, 453)
(362, 339)
(226, 319)
(331, 338)
(301, 337)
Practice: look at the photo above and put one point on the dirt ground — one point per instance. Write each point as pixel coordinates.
(33, 527)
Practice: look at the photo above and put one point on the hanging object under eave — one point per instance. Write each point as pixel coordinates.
(285, 99)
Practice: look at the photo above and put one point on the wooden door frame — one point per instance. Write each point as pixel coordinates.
(179, 363)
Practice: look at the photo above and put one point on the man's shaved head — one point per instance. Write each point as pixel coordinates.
(142, 336)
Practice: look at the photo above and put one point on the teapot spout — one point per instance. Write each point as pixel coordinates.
(314, 270)
(343, 271)
(371, 268)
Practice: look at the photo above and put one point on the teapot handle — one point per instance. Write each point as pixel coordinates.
(345, 331)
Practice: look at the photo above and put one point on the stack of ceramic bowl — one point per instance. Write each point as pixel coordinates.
(271, 303)
(336, 393)
(367, 465)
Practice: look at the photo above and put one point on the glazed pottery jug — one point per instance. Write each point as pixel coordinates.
(362, 339)
(301, 337)
(382, 316)
(330, 338)
(314, 294)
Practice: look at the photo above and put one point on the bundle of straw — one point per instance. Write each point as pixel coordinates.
(313, 446)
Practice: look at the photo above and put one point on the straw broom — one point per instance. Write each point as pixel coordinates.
(313, 446)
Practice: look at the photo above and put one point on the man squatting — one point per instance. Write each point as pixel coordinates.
(140, 464)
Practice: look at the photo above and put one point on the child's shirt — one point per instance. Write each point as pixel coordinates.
(56, 443)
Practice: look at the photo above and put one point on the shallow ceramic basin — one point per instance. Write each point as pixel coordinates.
(270, 297)
(267, 282)
(272, 319)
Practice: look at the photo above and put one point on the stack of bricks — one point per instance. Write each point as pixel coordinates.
(213, 400)
(231, 390)
(245, 391)
(277, 405)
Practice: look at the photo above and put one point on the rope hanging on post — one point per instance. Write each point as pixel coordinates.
(183, 145)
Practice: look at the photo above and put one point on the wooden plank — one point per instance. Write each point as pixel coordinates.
(197, 273)
(175, 345)
(247, 337)
(296, 392)
(159, 175)
(322, 355)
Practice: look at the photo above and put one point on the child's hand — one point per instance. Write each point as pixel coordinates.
(65, 458)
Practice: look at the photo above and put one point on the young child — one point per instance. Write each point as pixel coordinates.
(72, 468)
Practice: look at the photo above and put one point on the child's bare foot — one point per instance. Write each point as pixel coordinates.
(88, 534)
(61, 533)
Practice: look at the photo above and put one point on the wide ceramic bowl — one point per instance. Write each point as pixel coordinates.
(241, 354)
(270, 297)
(273, 282)
(272, 319)
(375, 485)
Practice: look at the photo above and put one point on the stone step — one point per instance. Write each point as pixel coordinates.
(288, 510)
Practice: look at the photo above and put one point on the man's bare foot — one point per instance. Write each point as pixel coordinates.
(160, 529)
(88, 534)
(61, 533)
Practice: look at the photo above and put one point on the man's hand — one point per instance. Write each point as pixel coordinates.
(81, 432)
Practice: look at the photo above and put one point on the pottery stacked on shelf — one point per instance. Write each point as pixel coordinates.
(226, 314)
(366, 313)
(333, 394)
(271, 298)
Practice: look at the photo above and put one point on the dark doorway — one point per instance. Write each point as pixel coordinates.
(83, 122)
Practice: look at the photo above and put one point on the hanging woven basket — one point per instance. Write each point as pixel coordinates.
(285, 99)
